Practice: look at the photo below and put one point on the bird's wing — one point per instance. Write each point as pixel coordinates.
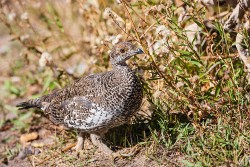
(74, 99)
(81, 113)
(74, 111)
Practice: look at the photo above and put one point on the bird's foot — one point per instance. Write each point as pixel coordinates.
(97, 141)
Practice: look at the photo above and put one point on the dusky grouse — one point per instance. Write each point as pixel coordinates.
(96, 103)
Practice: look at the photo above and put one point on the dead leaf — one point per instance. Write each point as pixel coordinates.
(37, 144)
(28, 137)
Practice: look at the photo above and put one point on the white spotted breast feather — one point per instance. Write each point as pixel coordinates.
(80, 113)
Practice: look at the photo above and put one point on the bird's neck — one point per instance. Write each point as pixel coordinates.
(120, 66)
(122, 69)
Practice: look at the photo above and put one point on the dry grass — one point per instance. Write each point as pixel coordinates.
(196, 107)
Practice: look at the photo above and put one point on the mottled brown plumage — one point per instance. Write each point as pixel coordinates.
(98, 102)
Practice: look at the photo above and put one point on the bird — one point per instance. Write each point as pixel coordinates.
(95, 103)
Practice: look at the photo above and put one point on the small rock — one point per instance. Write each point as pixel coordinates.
(28, 151)
(24, 153)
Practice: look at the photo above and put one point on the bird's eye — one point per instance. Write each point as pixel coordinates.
(122, 50)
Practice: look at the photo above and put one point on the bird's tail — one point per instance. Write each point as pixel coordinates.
(33, 103)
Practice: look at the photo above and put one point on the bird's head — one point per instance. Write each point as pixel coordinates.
(122, 52)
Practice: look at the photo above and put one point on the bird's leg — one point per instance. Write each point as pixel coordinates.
(97, 141)
(80, 141)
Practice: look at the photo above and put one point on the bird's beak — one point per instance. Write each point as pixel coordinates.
(139, 51)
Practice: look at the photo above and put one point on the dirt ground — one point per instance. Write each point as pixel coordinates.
(46, 150)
